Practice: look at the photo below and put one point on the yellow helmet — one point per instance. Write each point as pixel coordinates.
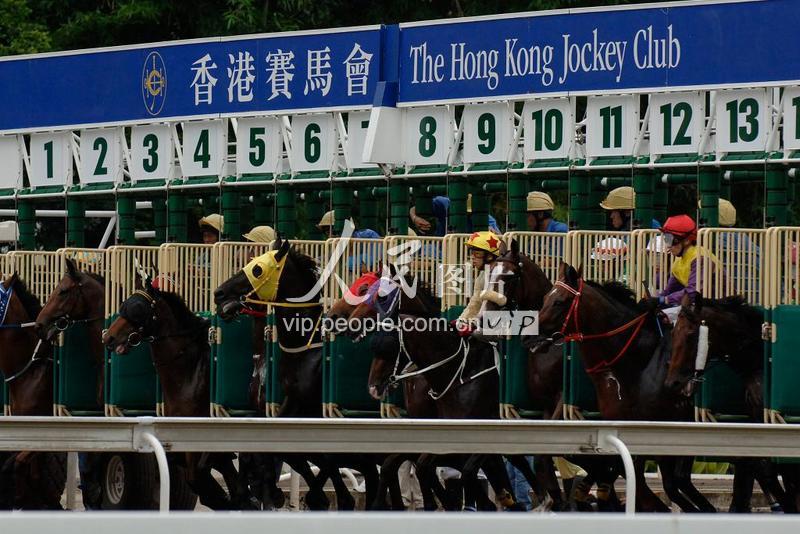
(260, 234)
(327, 219)
(215, 221)
(486, 240)
(539, 201)
(411, 232)
(727, 212)
(621, 198)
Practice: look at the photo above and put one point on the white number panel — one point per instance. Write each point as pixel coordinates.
(428, 135)
(677, 121)
(791, 118)
(101, 155)
(488, 132)
(10, 162)
(258, 146)
(549, 127)
(152, 152)
(612, 125)
(51, 159)
(314, 142)
(742, 120)
(357, 125)
(204, 147)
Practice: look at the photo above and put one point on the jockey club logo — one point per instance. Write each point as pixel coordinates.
(154, 83)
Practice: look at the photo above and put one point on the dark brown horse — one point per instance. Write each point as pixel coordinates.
(79, 298)
(180, 353)
(38, 479)
(300, 366)
(733, 335)
(626, 353)
(464, 380)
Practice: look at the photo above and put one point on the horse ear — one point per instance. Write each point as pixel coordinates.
(72, 268)
(686, 302)
(562, 270)
(277, 243)
(392, 270)
(579, 272)
(515, 247)
(572, 276)
(283, 250)
(698, 301)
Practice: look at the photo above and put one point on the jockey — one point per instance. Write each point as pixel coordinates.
(680, 237)
(211, 227)
(540, 214)
(260, 234)
(620, 203)
(484, 248)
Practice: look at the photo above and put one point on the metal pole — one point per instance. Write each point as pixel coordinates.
(72, 479)
(163, 471)
(630, 472)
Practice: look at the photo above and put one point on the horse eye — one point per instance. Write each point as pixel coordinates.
(258, 271)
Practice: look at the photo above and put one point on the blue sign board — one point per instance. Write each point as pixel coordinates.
(334, 69)
(708, 44)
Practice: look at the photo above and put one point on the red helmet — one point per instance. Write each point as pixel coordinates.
(680, 226)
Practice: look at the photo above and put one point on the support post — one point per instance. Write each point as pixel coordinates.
(26, 223)
(367, 210)
(517, 202)
(708, 188)
(76, 222)
(480, 207)
(342, 200)
(126, 213)
(777, 212)
(286, 223)
(231, 213)
(177, 231)
(457, 214)
(160, 219)
(398, 207)
(644, 185)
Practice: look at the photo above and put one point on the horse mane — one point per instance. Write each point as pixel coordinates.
(307, 266)
(29, 301)
(618, 292)
(736, 305)
(96, 277)
(425, 294)
(183, 315)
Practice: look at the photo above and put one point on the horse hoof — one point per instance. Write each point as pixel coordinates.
(316, 500)
(345, 503)
(277, 497)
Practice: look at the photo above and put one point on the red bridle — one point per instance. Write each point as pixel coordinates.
(603, 365)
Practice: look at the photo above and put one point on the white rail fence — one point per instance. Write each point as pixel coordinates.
(158, 435)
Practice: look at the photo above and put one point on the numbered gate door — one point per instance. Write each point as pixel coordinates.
(75, 367)
(39, 270)
(186, 270)
(730, 264)
(783, 318)
(131, 384)
(238, 343)
(547, 251)
(347, 363)
(603, 257)
(318, 251)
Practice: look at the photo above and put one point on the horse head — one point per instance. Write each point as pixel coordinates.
(138, 319)
(77, 297)
(275, 276)
(688, 359)
(558, 301)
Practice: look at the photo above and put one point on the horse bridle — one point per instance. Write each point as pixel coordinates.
(138, 336)
(64, 321)
(7, 293)
(563, 336)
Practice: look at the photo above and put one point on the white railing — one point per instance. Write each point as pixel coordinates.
(148, 434)
(394, 523)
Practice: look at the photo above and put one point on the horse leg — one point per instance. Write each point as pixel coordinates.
(646, 500)
(241, 498)
(790, 473)
(7, 487)
(371, 480)
(498, 477)
(426, 473)
(388, 478)
(200, 480)
(668, 466)
(330, 464)
(315, 497)
(545, 472)
(429, 492)
(687, 487)
(743, 478)
(767, 476)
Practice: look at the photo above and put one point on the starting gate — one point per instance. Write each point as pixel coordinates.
(729, 263)
(131, 386)
(547, 251)
(5, 270)
(74, 368)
